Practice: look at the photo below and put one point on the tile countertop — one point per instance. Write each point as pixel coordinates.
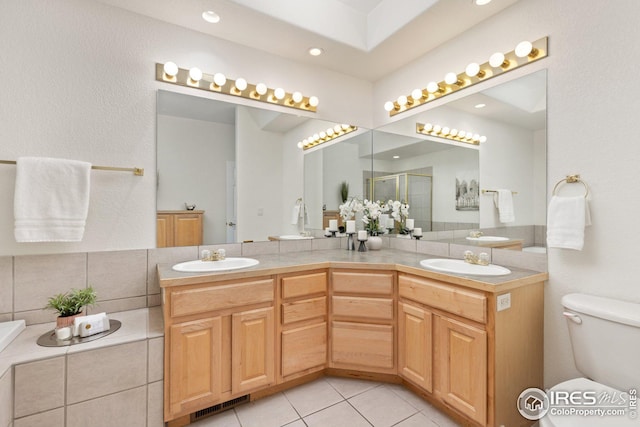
(137, 325)
(385, 259)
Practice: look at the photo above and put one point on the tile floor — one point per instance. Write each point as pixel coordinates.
(334, 402)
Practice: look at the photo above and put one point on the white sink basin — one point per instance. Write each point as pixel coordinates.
(488, 239)
(294, 237)
(459, 266)
(199, 266)
(9, 331)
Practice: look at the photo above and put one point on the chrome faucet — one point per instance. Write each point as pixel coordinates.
(475, 233)
(215, 255)
(480, 259)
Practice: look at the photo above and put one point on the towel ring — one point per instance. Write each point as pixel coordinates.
(571, 179)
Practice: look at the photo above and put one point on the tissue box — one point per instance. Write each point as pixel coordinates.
(90, 325)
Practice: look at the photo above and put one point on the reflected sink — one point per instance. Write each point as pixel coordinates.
(488, 239)
(294, 237)
(199, 266)
(459, 266)
(9, 331)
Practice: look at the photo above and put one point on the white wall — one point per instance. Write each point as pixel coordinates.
(192, 158)
(78, 82)
(590, 88)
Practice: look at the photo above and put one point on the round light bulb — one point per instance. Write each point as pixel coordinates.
(472, 69)
(241, 84)
(437, 128)
(523, 49)
(469, 135)
(337, 128)
(330, 132)
(428, 127)
(261, 88)
(279, 93)
(314, 101)
(476, 137)
(416, 94)
(300, 144)
(388, 106)
(450, 78)
(432, 87)
(170, 69)
(296, 97)
(211, 17)
(402, 100)
(323, 135)
(454, 132)
(462, 134)
(445, 131)
(315, 51)
(345, 126)
(496, 60)
(316, 137)
(195, 74)
(483, 138)
(219, 79)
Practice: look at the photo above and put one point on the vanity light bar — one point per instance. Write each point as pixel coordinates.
(326, 135)
(525, 53)
(195, 78)
(451, 134)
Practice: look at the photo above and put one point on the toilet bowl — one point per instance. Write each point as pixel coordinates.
(605, 338)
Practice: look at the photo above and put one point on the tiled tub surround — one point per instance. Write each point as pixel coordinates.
(116, 380)
(127, 280)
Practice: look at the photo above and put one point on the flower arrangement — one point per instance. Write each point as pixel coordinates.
(400, 213)
(349, 209)
(371, 216)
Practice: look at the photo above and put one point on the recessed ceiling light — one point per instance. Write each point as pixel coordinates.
(211, 16)
(481, 2)
(315, 51)
(396, 157)
(480, 105)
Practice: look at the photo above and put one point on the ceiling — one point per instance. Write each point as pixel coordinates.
(367, 39)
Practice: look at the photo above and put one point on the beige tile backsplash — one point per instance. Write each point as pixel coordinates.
(127, 280)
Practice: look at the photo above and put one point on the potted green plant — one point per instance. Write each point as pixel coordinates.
(71, 304)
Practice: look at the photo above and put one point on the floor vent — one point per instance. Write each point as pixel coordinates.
(212, 410)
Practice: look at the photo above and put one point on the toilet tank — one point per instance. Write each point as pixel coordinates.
(605, 336)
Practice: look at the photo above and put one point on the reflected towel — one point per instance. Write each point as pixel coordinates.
(566, 219)
(295, 215)
(503, 200)
(51, 199)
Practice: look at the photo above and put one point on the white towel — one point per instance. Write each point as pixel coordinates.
(566, 219)
(295, 215)
(51, 199)
(503, 200)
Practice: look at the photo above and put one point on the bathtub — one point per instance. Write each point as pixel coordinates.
(9, 331)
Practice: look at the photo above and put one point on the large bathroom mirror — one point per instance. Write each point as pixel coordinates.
(512, 116)
(239, 167)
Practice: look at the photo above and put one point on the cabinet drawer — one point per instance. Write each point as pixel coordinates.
(212, 298)
(308, 284)
(304, 348)
(465, 303)
(298, 311)
(362, 344)
(361, 307)
(362, 283)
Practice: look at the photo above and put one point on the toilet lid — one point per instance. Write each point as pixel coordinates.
(555, 417)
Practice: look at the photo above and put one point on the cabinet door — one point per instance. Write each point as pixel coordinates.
(366, 345)
(415, 345)
(195, 365)
(164, 231)
(253, 349)
(304, 348)
(462, 367)
(188, 230)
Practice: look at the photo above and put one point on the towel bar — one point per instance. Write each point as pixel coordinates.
(495, 191)
(136, 171)
(572, 179)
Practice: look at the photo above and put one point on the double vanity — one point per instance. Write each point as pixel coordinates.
(467, 343)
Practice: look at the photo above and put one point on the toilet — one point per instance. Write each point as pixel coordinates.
(605, 337)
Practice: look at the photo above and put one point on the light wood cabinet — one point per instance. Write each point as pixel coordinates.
(253, 353)
(415, 345)
(328, 215)
(303, 324)
(461, 366)
(178, 228)
(363, 321)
